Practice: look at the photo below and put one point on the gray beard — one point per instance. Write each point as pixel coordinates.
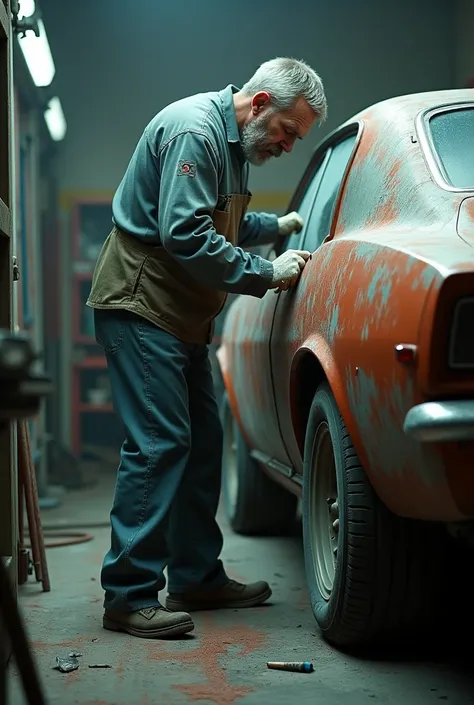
(254, 141)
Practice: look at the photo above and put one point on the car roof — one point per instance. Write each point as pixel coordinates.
(406, 107)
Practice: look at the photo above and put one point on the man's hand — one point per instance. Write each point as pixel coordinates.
(290, 223)
(287, 269)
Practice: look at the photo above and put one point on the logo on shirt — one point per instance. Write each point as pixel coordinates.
(187, 168)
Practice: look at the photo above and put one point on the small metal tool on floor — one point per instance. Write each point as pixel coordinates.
(295, 666)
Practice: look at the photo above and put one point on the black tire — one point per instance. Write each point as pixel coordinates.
(388, 577)
(256, 505)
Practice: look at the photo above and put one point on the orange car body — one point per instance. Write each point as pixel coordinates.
(373, 313)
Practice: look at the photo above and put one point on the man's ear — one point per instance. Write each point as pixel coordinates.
(259, 102)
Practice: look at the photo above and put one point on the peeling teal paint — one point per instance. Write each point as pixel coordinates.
(333, 324)
(409, 264)
(364, 335)
(385, 291)
(362, 392)
(365, 251)
(381, 281)
(425, 278)
(379, 412)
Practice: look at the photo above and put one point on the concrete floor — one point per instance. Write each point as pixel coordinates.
(224, 662)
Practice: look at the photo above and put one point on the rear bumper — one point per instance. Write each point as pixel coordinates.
(447, 421)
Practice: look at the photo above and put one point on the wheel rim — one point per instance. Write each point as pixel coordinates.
(231, 474)
(324, 511)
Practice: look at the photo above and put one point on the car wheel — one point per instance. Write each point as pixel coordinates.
(254, 504)
(372, 577)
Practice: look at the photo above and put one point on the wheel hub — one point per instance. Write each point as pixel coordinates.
(324, 507)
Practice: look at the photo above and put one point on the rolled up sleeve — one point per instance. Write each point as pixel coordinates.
(258, 229)
(189, 170)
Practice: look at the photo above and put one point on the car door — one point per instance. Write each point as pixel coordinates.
(255, 389)
(256, 380)
(334, 159)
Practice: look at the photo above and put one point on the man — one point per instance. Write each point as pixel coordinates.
(161, 279)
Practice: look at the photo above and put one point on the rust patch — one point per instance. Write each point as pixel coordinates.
(213, 644)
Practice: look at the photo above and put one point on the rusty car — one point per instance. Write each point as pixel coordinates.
(353, 392)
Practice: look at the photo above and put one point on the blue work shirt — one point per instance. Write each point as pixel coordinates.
(188, 158)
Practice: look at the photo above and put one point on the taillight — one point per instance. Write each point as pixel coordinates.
(405, 353)
(461, 336)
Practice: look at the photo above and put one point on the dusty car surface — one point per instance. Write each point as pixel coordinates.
(355, 390)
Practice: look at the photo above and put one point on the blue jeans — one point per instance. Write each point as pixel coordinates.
(169, 477)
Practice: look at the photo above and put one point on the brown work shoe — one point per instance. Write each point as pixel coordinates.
(149, 623)
(229, 595)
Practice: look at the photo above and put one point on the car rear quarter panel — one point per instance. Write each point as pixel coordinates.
(356, 300)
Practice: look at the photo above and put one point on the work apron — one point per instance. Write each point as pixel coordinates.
(145, 279)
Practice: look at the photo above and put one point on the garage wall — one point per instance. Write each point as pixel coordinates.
(465, 42)
(118, 62)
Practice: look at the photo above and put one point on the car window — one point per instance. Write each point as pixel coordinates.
(293, 242)
(322, 211)
(453, 140)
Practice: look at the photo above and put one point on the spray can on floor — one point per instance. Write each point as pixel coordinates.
(295, 666)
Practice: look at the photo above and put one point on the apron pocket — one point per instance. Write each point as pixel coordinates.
(118, 272)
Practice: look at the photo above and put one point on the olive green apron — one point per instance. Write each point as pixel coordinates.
(144, 279)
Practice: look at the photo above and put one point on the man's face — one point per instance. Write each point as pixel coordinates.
(268, 132)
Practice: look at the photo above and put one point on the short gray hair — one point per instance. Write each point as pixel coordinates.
(286, 80)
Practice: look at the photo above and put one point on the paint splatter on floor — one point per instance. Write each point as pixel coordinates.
(216, 641)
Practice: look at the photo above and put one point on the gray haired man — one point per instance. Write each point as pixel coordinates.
(180, 222)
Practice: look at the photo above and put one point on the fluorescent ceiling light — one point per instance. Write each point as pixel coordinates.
(55, 119)
(38, 56)
(27, 8)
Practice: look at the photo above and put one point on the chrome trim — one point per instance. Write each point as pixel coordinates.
(273, 464)
(428, 149)
(452, 337)
(444, 421)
